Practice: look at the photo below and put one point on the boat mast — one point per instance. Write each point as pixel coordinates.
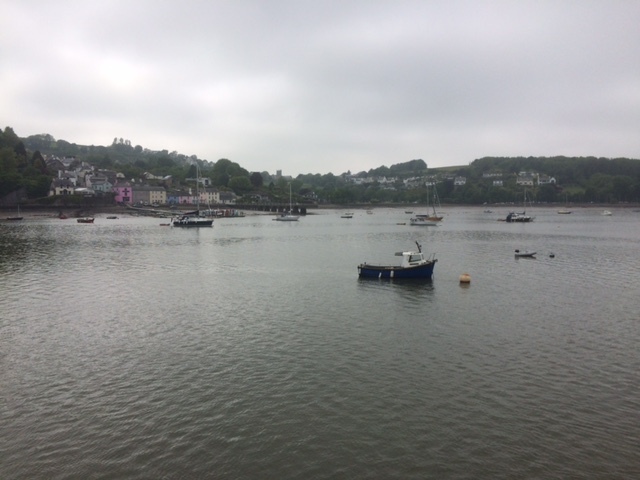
(197, 188)
(433, 203)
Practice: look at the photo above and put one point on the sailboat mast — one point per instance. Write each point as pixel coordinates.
(198, 188)
(433, 202)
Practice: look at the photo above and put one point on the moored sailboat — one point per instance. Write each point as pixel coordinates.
(520, 217)
(15, 218)
(288, 216)
(193, 219)
(428, 218)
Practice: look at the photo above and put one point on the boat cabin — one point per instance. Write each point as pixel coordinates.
(411, 259)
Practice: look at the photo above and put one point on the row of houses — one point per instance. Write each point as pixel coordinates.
(527, 179)
(523, 178)
(127, 193)
(389, 182)
(85, 180)
(411, 182)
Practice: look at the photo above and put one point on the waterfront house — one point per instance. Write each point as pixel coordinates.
(227, 198)
(209, 196)
(148, 194)
(61, 186)
(123, 193)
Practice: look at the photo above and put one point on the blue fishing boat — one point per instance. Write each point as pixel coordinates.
(414, 265)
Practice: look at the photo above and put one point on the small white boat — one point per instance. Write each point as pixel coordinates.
(17, 217)
(287, 217)
(607, 213)
(347, 215)
(525, 254)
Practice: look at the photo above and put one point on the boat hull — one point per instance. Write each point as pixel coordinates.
(383, 271)
(422, 222)
(518, 218)
(430, 218)
(193, 223)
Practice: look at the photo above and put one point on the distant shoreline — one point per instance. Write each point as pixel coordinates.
(80, 211)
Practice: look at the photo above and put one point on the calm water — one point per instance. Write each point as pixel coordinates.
(252, 350)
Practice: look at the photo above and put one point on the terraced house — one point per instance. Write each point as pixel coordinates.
(148, 194)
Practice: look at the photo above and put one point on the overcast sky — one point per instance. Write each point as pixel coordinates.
(327, 86)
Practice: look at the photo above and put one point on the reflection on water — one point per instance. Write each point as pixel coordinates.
(408, 292)
(131, 350)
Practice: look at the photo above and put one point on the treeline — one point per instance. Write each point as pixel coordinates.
(577, 179)
(583, 179)
(121, 155)
(22, 173)
(572, 179)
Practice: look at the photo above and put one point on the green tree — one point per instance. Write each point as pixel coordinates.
(220, 174)
(104, 162)
(599, 187)
(9, 138)
(240, 184)
(165, 163)
(622, 188)
(547, 193)
(256, 179)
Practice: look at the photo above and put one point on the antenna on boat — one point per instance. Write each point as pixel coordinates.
(419, 247)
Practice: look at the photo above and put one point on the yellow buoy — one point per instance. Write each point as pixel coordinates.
(465, 278)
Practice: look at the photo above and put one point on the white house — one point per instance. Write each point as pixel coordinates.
(546, 180)
(61, 186)
(459, 181)
(525, 178)
(209, 196)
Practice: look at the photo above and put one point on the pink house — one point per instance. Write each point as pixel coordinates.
(124, 193)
